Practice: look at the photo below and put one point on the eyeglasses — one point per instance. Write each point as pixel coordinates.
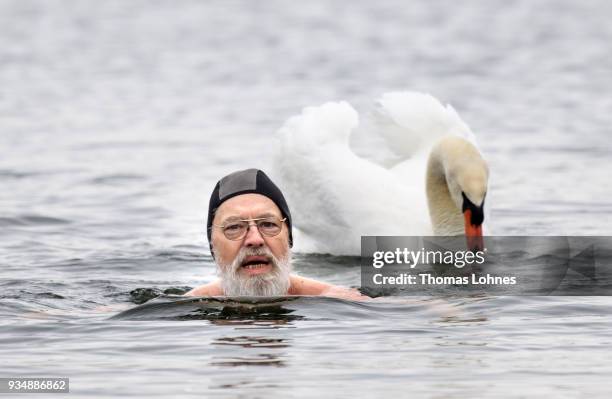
(236, 229)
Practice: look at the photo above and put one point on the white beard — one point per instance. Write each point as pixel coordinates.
(274, 283)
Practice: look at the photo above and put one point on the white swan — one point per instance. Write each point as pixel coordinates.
(336, 197)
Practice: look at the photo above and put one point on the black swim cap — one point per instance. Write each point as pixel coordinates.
(245, 182)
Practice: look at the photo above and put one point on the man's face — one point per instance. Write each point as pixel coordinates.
(256, 264)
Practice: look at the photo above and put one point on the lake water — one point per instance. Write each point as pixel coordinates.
(117, 118)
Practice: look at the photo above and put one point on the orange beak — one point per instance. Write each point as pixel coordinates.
(473, 233)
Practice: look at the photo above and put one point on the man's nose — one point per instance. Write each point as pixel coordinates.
(253, 237)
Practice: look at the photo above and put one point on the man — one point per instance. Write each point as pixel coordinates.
(249, 231)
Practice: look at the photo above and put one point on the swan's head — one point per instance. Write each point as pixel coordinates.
(466, 175)
(468, 184)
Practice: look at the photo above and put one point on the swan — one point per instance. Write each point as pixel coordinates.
(437, 187)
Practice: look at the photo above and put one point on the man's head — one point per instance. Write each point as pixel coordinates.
(249, 230)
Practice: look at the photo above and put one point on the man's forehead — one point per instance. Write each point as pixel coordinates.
(247, 205)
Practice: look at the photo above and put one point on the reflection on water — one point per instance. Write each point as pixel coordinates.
(268, 314)
(455, 319)
(221, 310)
(245, 321)
(247, 384)
(261, 359)
(252, 342)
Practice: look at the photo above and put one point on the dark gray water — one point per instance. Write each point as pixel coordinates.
(116, 119)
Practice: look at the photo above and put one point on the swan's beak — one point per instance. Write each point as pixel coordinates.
(473, 217)
(473, 233)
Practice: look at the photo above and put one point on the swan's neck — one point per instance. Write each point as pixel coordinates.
(446, 218)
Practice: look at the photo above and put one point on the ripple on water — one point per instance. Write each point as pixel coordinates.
(116, 179)
(32, 220)
(6, 174)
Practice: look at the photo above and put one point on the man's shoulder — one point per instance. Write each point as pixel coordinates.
(307, 286)
(210, 289)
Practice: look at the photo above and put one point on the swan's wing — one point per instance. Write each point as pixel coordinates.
(313, 149)
(312, 146)
(330, 123)
(411, 122)
(334, 195)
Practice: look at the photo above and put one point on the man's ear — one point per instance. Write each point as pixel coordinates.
(210, 246)
(211, 231)
(289, 240)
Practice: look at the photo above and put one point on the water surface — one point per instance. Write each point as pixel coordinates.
(117, 118)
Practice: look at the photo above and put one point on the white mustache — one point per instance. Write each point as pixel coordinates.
(246, 252)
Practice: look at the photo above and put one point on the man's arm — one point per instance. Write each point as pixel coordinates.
(349, 294)
(306, 286)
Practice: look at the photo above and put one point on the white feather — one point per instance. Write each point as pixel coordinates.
(334, 195)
